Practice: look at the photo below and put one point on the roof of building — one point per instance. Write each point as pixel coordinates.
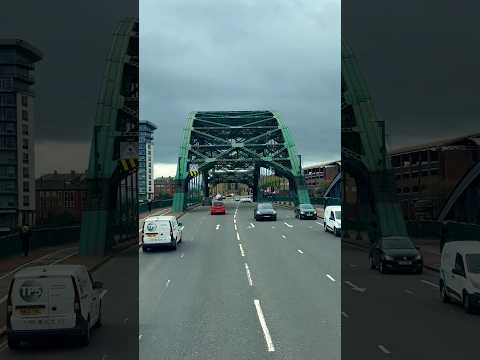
(23, 45)
(323, 164)
(473, 138)
(56, 181)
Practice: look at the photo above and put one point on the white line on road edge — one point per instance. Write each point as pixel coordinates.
(251, 224)
(234, 221)
(241, 250)
(263, 324)
(236, 228)
(218, 226)
(345, 315)
(330, 277)
(290, 226)
(250, 282)
(384, 349)
(238, 236)
(355, 287)
(430, 283)
(300, 251)
(318, 222)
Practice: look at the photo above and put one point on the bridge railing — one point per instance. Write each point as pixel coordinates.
(156, 204)
(41, 237)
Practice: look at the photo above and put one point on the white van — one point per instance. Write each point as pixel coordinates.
(53, 300)
(332, 219)
(460, 273)
(160, 231)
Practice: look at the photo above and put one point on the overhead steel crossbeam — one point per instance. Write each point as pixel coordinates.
(364, 155)
(238, 140)
(112, 207)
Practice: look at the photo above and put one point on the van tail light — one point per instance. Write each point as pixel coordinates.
(9, 307)
(76, 301)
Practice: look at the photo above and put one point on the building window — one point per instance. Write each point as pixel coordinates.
(68, 199)
(26, 172)
(25, 158)
(25, 144)
(24, 129)
(7, 99)
(433, 155)
(6, 84)
(25, 115)
(26, 200)
(26, 186)
(24, 101)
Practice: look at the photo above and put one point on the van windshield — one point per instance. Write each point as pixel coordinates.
(157, 226)
(473, 263)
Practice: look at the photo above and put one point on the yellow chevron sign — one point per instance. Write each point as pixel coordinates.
(193, 173)
(127, 165)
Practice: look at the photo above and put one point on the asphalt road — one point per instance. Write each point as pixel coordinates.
(118, 337)
(400, 316)
(270, 292)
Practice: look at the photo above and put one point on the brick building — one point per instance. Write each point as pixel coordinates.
(318, 177)
(164, 185)
(426, 174)
(60, 195)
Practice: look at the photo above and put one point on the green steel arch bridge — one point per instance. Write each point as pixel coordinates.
(112, 207)
(233, 146)
(365, 162)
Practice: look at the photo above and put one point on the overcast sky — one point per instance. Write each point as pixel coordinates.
(241, 55)
(420, 63)
(75, 37)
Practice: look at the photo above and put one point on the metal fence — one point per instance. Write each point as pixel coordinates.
(41, 237)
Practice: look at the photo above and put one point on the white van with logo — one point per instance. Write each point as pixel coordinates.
(53, 300)
(460, 273)
(332, 219)
(159, 231)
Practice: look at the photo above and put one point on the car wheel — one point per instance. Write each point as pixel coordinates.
(372, 264)
(443, 293)
(85, 340)
(13, 344)
(467, 304)
(98, 324)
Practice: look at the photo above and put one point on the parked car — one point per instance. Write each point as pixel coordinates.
(217, 207)
(460, 274)
(332, 219)
(265, 211)
(305, 211)
(396, 253)
(53, 300)
(161, 231)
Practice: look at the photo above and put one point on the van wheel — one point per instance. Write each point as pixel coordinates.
(98, 324)
(335, 231)
(174, 245)
(325, 227)
(85, 340)
(13, 344)
(443, 293)
(467, 304)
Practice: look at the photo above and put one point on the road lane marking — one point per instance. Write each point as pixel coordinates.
(218, 226)
(330, 277)
(251, 224)
(250, 282)
(345, 315)
(236, 228)
(234, 221)
(3, 299)
(310, 227)
(430, 283)
(238, 236)
(64, 258)
(318, 222)
(355, 287)
(140, 337)
(263, 324)
(273, 227)
(182, 255)
(409, 291)
(384, 349)
(300, 251)
(241, 250)
(283, 236)
(290, 226)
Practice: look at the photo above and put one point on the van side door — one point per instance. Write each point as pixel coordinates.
(458, 278)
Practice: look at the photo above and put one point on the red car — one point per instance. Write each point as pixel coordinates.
(217, 208)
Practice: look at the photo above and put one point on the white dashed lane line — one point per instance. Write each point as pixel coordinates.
(384, 349)
(284, 237)
(330, 277)
(430, 283)
(238, 236)
(250, 281)
(290, 226)
(345, 315)
(241, 250)
(300, 251)
(252, 225)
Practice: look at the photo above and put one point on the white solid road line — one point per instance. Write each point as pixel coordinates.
(238, 236)
(236, 228)
(252, 225)
(430, 283)
(250, 282)
(330, 277)
(384, 349)
(300, 251)
(241, 250)
(345, 315)
(290, 226)
(263, 324)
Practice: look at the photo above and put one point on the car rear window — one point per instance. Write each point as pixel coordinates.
(156, 226)
(217, 203)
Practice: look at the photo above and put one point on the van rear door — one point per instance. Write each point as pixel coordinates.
(42, 303)
(157, 231)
